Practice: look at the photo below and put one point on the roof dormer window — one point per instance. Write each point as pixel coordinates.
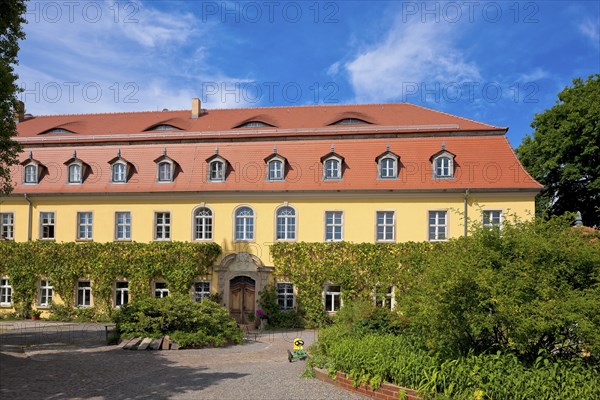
(33, 170)
(443, 164)
(31, 173)
(58, 131)
(166, 168)
(74, 171)
(120, 169)
(255, 124)
(351, 121)
(163, 127)
(332, 165)
(387, 165)
(276, 166)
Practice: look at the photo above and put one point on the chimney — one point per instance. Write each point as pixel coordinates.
(196, 107)
(20, 112)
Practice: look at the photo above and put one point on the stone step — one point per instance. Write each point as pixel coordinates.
(145, 343)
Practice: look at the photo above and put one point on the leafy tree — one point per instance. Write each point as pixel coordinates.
(564, 152)
(11, 18)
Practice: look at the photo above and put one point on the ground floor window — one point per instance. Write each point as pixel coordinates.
(160, 290)
(333, 298)
(383, 296)
(46, 293)
(84, 294)
(121, 293)
(5, 292)
(201, 290)
(285, 296)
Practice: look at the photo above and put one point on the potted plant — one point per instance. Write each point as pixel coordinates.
(262, 317)
(35, 314)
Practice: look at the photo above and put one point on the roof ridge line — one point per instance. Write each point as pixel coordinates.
(457, 116)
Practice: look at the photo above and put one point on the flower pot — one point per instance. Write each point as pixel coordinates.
(35, 317)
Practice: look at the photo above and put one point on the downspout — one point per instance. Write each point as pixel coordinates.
(28, 218)
(466, 210)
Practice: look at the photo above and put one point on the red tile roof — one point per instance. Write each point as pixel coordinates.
(484, 157)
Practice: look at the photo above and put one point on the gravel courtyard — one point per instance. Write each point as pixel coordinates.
(71, 361)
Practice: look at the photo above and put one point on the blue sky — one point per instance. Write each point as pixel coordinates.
(495, 62)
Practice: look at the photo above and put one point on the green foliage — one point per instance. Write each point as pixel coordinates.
(563, 152)
(103, 263)
(191, 324)
(278, 318)
(11, 18)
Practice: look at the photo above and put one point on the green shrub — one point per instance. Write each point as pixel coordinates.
(278, 318)
(194, 324)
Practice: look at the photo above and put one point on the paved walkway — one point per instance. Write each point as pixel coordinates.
(70, 361)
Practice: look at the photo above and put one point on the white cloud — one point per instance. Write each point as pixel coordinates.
(591, 30)
(534, 75)
(412, 53)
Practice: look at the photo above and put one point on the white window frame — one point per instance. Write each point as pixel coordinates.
(50, 218)
(86, 294)
(385, 169)
(285, 293)
(162, 225)
(490, 224)
(385, 225)
(201, 290)
(7, 226)
(163, 175)
(46, 293)
(5, 292)
(276, 169)
(31, 174)
(384, 299)
(126, 224)
(203, 224)
(437, 226)
(75, 172)
(216, 174)
(329, 172)
(443, 166)
(246, 222)
(161, 290)
(334, 225)
(284, 222)
(327, 292)
(87, 225)
(119, 175)
(121, 293)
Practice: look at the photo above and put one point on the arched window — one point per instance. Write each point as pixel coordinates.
(333, 169)
(244, 224)
(31, 173)
(350, 121)
(443, 167)
(286, 223)
(119, 172)
(163, 127)
(275, 170)
(75, 173)
(388, 168)
(216, 171)
(254, 124)
(203, 224)
(165, 171)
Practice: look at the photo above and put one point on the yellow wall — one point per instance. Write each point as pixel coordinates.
(359, 216)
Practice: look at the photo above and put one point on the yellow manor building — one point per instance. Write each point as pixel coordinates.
(246, 178)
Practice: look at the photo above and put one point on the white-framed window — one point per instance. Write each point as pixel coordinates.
(7, 226)
(385, 226)
(438, 225)
(276, 171)
(46, 293)
(121, 293)
(75, 173)
(122, 225)
(203, 224)
(201, 290)
(333, 298)
(383, 296)
(443, 167)
(162, 226)
(244, 223)
(84, 294)
(387, 167)
(286, 223)
(31, 173)
(160, 290)
(165, 171)
(47, 225)
(334, 223)
(285, 295)
(84, 226)
(119, 172)
(5, 293)
(492, 218)
(216, 171)
(332, 168)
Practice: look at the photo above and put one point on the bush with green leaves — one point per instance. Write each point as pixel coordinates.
(191, 324)
(278, 318)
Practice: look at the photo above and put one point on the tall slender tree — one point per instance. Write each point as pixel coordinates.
(564, 152)
(11, 18)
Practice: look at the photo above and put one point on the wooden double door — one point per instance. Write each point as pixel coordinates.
(242, 297)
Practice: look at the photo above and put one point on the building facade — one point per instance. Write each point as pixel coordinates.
(247, 178)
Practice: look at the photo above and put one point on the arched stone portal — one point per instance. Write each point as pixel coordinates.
(241, 277)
